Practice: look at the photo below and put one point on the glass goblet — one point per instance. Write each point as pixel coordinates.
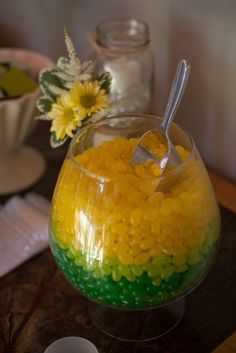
(133, 243)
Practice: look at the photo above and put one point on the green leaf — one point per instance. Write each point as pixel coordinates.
(47, 77)
(105, 81)
(57, 143)
(44, 104)
(62, 64)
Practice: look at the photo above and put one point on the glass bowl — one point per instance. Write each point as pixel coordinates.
(132, 243)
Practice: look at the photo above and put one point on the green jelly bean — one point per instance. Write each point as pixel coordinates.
(156, 281)
(147, 266)
(116, 275)
(151, 289)
(97, 274)
(131, 277)
(137, 270)
(167, 271)
(128, 292)
(141, 292)
(144, 279)
(155, 271)
(106, 269)
(181, 268)
(192, 253)
(80, 261)
(131, 286)
(174, 279)
(126, 302)
(70, 255)
(124, 270)
(159, 260)
(62, 245)
(194, 260)
(178, 260)
(123, 283)
(112, 288)
(111, 261)
(140, 302)
(204, 249)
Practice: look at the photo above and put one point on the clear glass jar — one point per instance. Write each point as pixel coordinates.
(122, 49)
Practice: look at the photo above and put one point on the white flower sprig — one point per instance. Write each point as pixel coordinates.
(72, 94)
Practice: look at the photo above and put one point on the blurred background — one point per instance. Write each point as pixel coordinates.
(202, 31)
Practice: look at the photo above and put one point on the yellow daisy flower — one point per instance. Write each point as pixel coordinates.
(88, 97)
(64, 118)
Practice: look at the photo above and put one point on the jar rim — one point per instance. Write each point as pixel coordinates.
(122, 34)
(102, 178)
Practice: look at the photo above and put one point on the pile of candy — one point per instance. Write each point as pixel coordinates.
(123, 241)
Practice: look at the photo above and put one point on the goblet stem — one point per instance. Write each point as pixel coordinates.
(137, 325)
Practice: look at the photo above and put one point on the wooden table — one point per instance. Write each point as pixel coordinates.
(38, 306)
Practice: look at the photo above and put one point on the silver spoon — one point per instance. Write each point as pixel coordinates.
(142, 153)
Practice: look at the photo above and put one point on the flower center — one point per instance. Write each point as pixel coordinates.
(68, 114)
(88, 100)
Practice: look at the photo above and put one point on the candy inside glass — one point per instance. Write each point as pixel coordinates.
(132, 242)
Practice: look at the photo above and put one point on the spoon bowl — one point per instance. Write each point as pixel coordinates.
(144, 151)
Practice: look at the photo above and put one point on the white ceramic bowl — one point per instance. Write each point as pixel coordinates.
(20, 166)
(72, 345)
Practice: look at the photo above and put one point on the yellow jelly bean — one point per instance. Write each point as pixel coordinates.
(155, 227)
(134, 250)
(120, 228)
(140, 171)
(179, 250)
(136, 216)
(147, 243)
(114, 217)
(121, 247)
(155, 250)
(142, 258)
(125, 258)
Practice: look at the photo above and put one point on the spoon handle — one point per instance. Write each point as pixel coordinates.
(176, 94)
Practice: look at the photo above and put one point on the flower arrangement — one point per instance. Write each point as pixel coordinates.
(73, 95)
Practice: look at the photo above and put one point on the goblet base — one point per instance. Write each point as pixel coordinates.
(137, 325)
(20, 169)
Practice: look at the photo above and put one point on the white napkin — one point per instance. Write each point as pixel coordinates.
(23, 230)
